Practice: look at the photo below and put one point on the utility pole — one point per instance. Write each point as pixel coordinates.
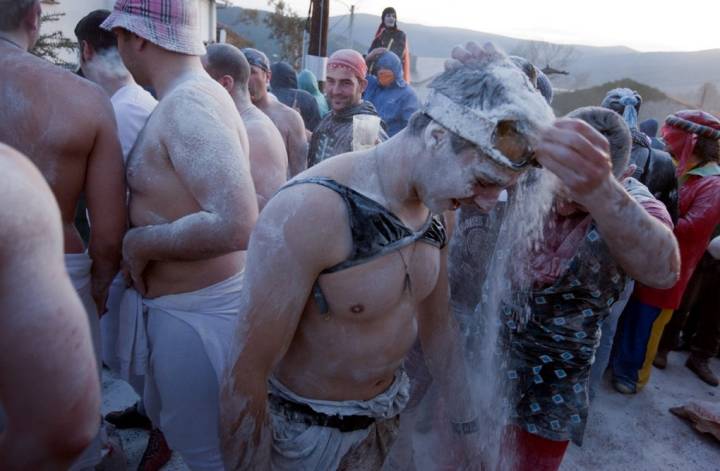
(352, 21)
(316, 60)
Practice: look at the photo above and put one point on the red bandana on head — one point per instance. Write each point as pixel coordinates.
(681, 132)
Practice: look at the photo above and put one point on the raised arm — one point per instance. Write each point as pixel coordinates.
(207, 156)
(644, 247)
(105, 193)
(288, 249)
(297, 145)
(48, 378)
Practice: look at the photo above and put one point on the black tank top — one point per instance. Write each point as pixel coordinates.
(375, 230)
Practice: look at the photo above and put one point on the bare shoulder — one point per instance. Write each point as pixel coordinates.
(80, 101)
(198, 92)
(310, 221)
(260, 126)
(288, 115)
(86, 98)
(294, 117)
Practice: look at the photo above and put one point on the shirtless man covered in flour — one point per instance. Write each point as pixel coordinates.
(347, 267)
(268, 158)
(192, 207)
(287, 120)
(48, 375)
(65, 126)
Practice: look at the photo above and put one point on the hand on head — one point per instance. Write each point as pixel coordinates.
(578, 154)
(467, 54)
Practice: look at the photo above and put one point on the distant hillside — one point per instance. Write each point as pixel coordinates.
(656, 104)
(438, 41)
(425, 41)
(677, 74)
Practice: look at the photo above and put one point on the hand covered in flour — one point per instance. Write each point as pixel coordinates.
(578, 155)
(133, 260)
(468, 53)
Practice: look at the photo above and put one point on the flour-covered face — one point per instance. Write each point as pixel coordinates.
(389, 20)
(465, 177)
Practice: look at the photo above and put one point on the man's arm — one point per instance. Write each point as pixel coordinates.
(288, 249)
(48, 378)
(208, 158)
(105, 193)
(297, 145)
(579, 155)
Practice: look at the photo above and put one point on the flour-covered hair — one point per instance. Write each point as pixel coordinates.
(226, 59)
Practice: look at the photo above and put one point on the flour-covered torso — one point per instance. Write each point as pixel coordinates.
(198, 113)
(55, 121)
(353, 350)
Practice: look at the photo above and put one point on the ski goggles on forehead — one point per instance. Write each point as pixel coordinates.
(502, 141)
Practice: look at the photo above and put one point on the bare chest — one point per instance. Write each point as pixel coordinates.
(371, 290)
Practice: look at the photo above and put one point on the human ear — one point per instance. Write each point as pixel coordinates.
(227, 82)
(87, 51)
(434, 135)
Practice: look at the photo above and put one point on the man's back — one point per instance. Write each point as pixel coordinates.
(291, 127)
(268, 157)
(47, 371)
(65, 125)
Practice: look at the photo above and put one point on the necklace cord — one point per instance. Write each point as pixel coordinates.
(408, 282)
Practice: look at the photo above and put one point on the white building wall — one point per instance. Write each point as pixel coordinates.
(76, 9)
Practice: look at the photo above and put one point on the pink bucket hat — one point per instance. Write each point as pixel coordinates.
(169, 24)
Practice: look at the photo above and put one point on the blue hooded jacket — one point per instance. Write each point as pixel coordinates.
(395, 103)
(283, 84)
(308, 82)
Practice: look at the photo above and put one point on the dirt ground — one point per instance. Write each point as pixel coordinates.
(624, 432)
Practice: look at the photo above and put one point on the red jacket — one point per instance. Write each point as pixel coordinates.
(699, 214)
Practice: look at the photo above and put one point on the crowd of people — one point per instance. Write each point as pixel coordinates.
(263, 260)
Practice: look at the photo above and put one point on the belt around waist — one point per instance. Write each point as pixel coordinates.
(302, 413)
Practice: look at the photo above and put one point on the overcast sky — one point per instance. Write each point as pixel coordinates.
(687, 25)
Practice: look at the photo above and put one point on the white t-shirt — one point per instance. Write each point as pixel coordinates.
(132, 105)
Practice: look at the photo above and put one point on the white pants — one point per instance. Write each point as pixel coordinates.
(78, 267)
(109, 324)
(182, 393)
(180, 344)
